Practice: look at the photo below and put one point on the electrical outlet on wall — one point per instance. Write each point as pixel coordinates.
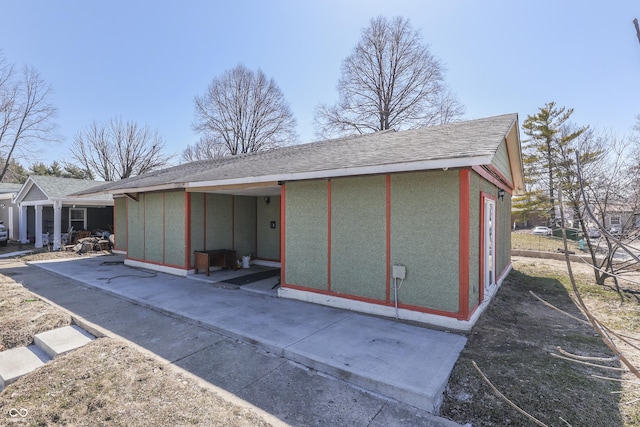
(398, 272)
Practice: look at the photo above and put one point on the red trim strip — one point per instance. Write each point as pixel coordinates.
(492, 179)
(388, 279)
(144, 225)
(282, 233)
(115, 222)
(164, 230)
(464, 245)
(329, 235)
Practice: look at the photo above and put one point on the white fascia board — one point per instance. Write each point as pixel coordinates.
(67, 202)
(363, 170)
(170, 186)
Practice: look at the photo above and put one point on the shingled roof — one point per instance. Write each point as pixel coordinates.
(460, 144)
(57, 188)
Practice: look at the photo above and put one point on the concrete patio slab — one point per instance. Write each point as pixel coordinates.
(404, 362)
(390, 358)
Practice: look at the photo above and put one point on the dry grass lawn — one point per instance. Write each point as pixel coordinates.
(512, 344)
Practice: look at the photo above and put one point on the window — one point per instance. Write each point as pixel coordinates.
(78, 218)
(615, 220)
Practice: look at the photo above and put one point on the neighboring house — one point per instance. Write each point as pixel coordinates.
(338, 215)
(8, 209)
(617, 216)
(47, 210)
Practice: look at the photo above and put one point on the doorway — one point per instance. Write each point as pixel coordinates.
(488, 245)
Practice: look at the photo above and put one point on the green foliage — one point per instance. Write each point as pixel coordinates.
(15, 174)
(55, 169)
(549, 156)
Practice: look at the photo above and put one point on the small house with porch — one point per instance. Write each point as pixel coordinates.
(47, 212)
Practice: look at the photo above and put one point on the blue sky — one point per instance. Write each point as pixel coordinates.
(146, 60)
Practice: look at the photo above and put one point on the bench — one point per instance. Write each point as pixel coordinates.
(223, 258)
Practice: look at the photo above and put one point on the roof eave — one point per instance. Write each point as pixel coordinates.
(351, 171)
(162, 187)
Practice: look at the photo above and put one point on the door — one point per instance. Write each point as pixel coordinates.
(489, 244)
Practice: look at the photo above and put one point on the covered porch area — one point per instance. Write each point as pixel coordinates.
(47, 211)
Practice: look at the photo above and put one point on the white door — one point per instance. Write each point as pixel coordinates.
(489, 244)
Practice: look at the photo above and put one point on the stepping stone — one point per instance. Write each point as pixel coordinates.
(19, 361)
(62, 340)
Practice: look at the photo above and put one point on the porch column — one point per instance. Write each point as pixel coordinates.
(11, 222)
(57, 225)
(38, 226)
(22, 225)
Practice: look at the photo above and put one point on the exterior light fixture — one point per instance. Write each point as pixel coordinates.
(267, 200)
(501, 194)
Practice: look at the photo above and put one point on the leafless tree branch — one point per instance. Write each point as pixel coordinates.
(390, 81)
(117, 149)
(503, 397)
(26, 115)
(242, 111)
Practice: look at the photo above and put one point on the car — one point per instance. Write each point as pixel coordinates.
(615, 230)
(542, 231)
(594, 233)
(4, 234)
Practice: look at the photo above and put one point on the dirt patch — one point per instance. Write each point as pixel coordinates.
(513, 341)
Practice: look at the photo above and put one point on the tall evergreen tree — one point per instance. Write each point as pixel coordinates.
(547, 153)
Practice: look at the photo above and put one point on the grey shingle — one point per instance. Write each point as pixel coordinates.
(463, 140)
(59, 188)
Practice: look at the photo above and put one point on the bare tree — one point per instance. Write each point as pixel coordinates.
(205, 149)
(243, 111)
(26, 115)
(635, 23)
(391, 80)
(117, 150)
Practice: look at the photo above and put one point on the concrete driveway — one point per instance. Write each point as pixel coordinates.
(304, 363)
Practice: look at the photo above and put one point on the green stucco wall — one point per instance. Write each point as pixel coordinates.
(474, 240)
(358, 236)
(197, 223)
(219, 221)
(135, 238)
(306, 234)
(501, 161)
(268, 244)
(174, 228)
(244, 223)
(120, 226)
(425, 237)
(503, 234)
(154, 227)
